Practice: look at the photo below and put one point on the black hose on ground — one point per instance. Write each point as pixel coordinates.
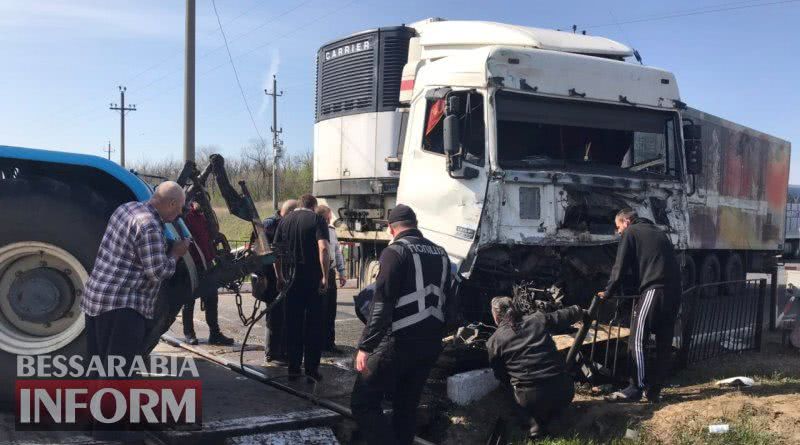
(253, 373)
(249, 371)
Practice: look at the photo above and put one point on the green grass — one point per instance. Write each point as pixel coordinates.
(236, 229)
(743, 431)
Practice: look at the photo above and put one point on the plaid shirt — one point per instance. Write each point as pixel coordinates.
(131, 263)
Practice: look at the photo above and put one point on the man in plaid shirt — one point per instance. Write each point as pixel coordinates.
(132, 262)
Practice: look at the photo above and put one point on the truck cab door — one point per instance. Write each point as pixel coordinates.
(448, 202)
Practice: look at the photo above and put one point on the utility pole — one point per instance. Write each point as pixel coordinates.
(188, 84)
(122, 109)
(277, 144)
(109, 150)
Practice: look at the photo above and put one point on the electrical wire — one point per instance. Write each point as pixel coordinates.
(692, 12)
(236, 73)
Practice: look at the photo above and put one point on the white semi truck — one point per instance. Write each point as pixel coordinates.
(516, 146)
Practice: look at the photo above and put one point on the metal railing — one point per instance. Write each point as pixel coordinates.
(713, 320)
(601, 351)
(722, 318)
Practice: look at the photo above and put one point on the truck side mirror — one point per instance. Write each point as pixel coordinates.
(452, 129)
(692, 145)
(452, 133)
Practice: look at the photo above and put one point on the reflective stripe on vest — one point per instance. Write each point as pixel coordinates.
(420, 293)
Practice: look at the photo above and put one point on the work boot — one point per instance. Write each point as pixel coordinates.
(313, 376)
(217, 338)
(190, 338)
(275, 359)
(653, 394)
(535, 431)
(294, 374)
(333, 349)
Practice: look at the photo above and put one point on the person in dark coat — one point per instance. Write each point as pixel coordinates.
(646, 251)
(523, 354)
(275, 348)
(305, 236)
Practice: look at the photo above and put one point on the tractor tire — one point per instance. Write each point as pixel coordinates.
(49, 236)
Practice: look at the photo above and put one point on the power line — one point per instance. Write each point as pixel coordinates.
(692, 12)
(211, 51)
(172, 56)
(286, 34)
(236, 73)
(90, 111)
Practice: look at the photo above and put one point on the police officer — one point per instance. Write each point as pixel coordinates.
(648, 253)
(403, 335)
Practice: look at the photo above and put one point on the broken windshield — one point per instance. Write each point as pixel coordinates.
(537, 132)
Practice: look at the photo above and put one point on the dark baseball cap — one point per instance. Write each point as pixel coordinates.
(401, 213)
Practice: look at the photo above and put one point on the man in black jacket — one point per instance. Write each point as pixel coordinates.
(275, 338)
(648, 253)
(403, 335)
(305, 236)
(522, 352)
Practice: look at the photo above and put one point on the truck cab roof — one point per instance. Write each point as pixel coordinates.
(441, 37)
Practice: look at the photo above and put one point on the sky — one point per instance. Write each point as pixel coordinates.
(63, 60)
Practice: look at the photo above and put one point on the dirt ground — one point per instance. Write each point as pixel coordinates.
(767, 413)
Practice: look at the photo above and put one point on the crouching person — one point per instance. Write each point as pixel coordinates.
(522, 352)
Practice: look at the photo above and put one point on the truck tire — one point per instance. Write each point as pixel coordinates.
(688, 271)
(49, 236)
(369, 271)
(709, 273)
(733, 271)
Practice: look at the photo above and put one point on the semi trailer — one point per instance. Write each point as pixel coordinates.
(516, 146)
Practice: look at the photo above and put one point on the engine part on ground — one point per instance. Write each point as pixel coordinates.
(527, 298)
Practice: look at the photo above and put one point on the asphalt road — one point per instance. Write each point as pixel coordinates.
(348, 326)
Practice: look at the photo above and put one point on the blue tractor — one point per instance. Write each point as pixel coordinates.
(54, 207)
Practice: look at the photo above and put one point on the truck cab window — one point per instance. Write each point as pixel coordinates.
(473, 128)
(540, 132)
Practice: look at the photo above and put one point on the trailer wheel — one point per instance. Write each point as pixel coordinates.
(49, 233)
(733, 271)
(709, 273)
(688, 271)
(791, 249)
(369, 271)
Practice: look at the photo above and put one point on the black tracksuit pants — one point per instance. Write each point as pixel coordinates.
(545, 399)
(329, 322)
(304, 321)
(654, 312)
(402, 372)
(211, 305)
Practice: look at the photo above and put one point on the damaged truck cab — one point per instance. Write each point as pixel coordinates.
(517, 146)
